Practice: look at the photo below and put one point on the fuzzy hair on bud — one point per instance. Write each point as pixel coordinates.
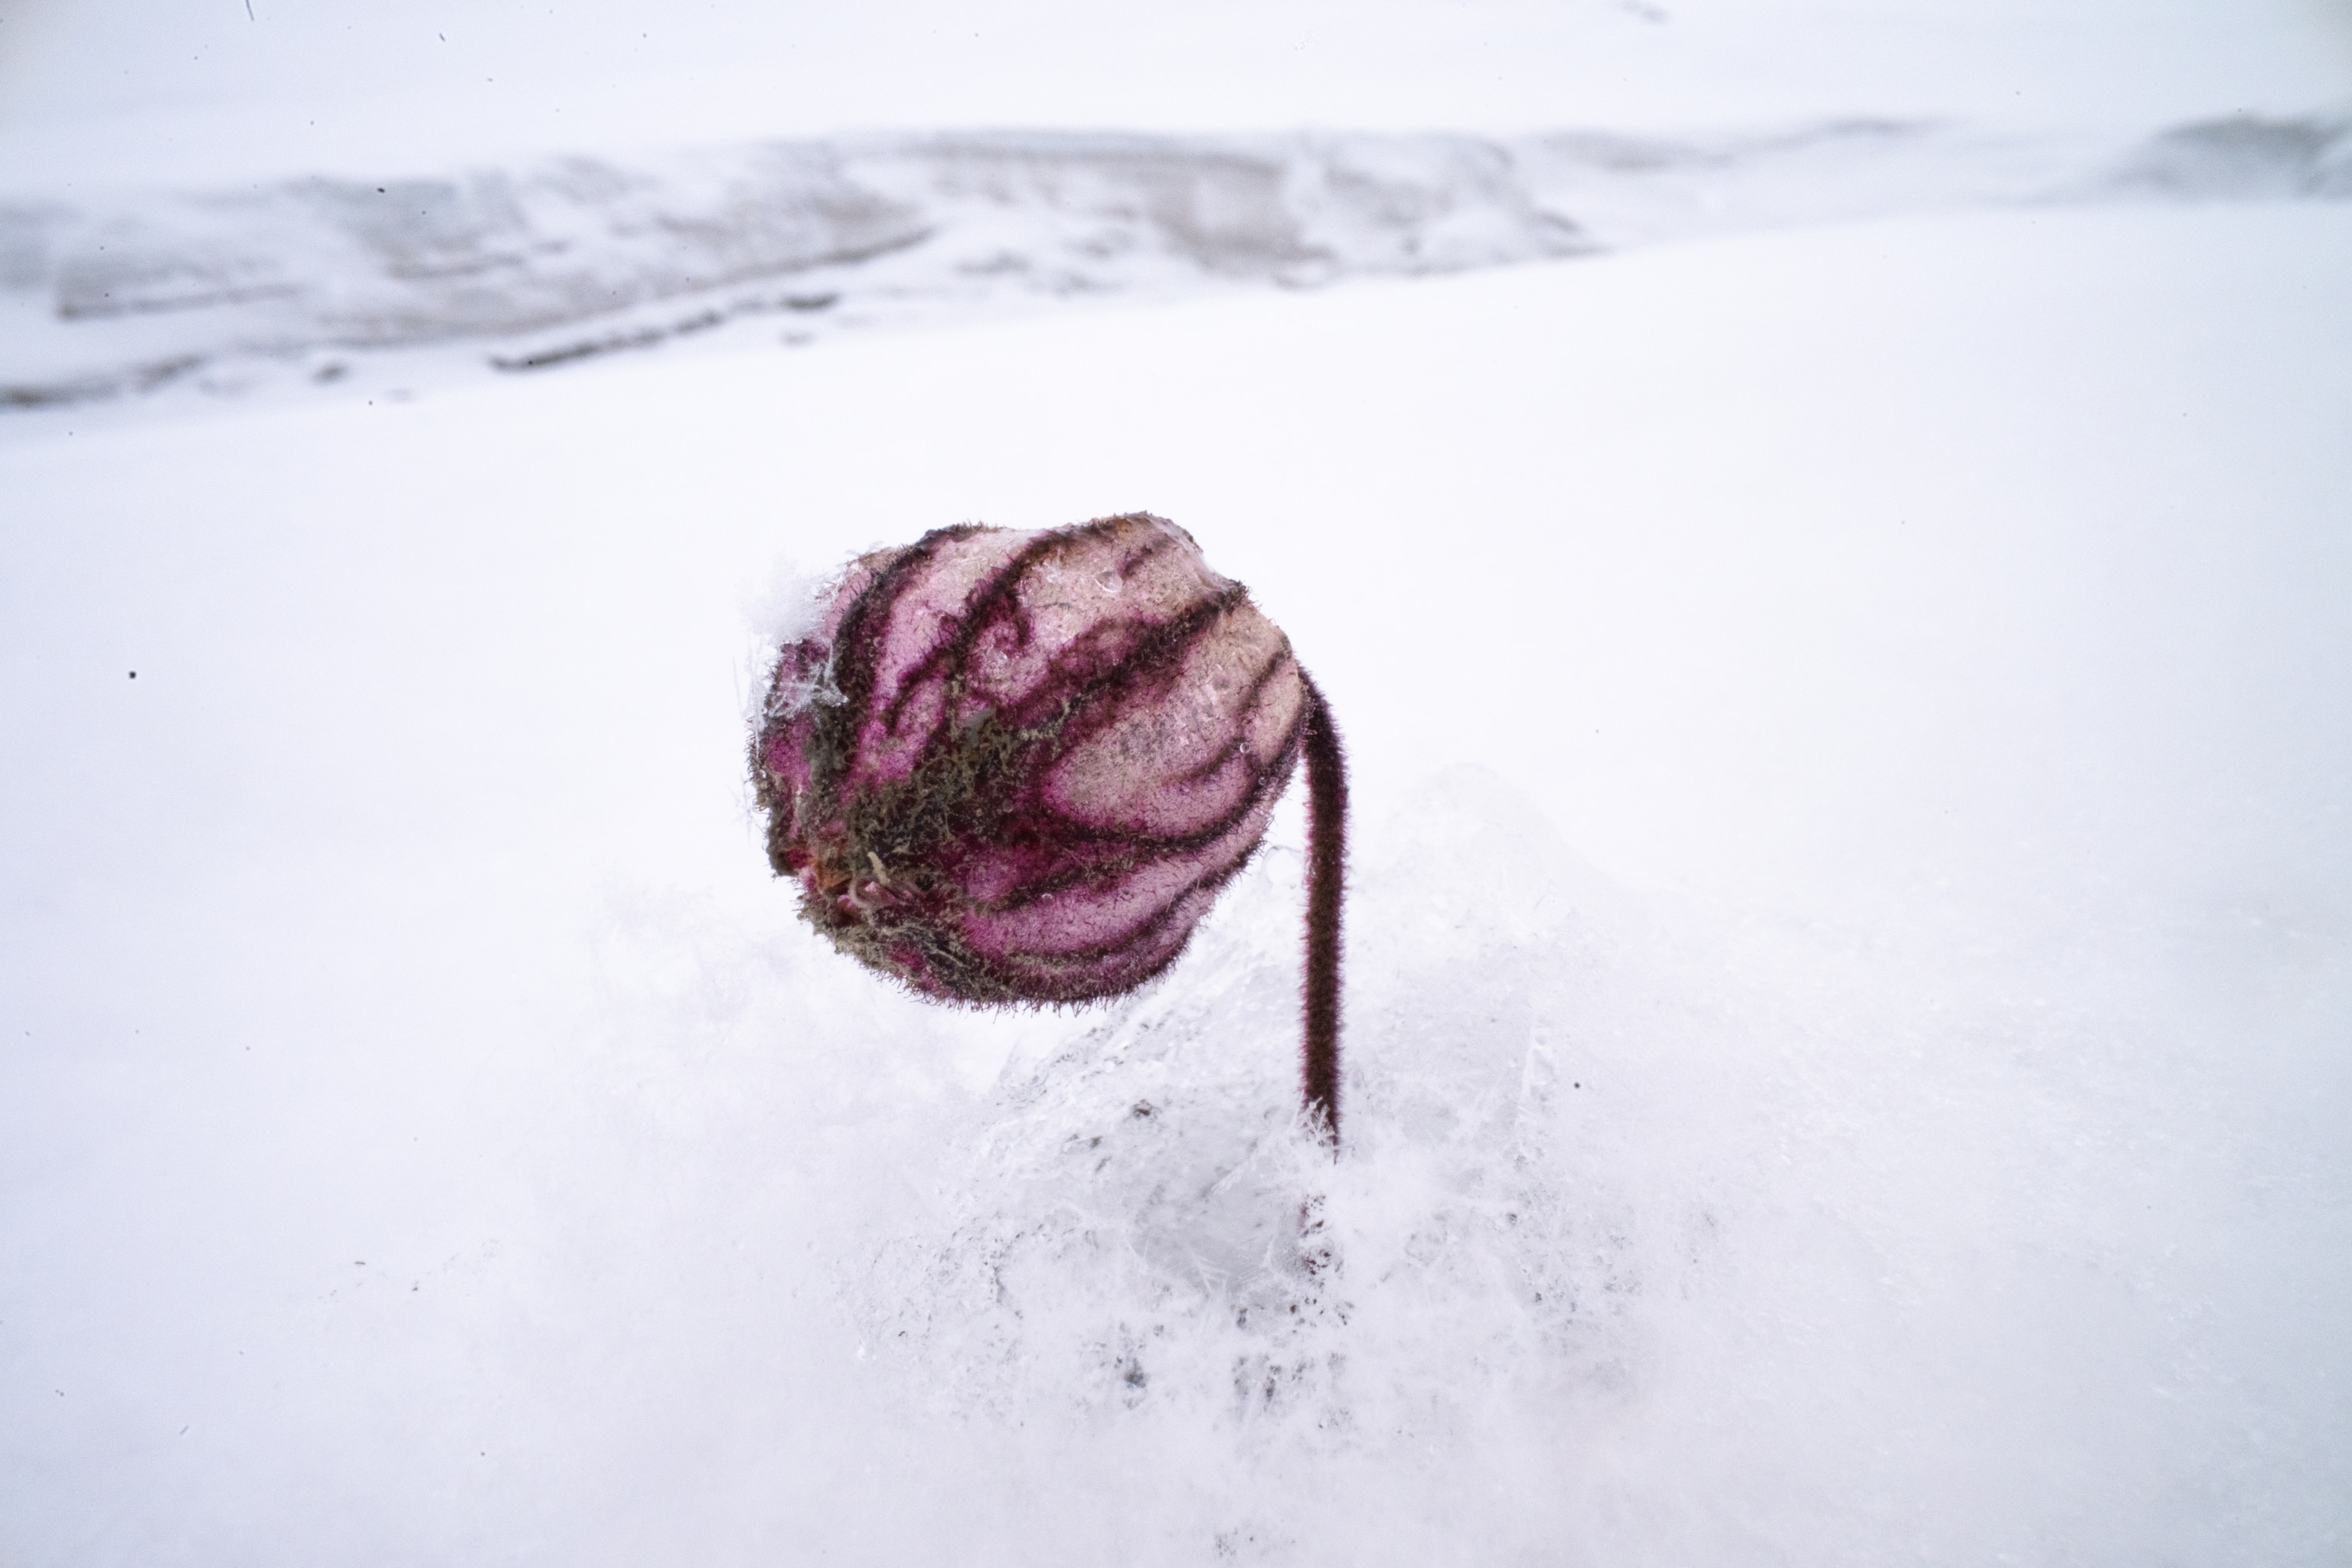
(1018, 767)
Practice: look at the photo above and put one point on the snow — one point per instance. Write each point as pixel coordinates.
(1850, 963)
(395, 281)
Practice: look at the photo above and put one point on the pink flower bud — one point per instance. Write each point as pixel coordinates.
(1019, 766)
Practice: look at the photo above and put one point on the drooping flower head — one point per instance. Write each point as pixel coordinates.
(1013, 766)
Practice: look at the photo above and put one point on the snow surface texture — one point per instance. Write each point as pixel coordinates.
(1850, 960)
(322, 281)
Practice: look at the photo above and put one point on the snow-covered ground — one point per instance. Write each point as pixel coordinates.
(391, 281)
(1850, 945)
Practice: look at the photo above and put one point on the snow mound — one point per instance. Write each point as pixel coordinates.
(1140, 1257)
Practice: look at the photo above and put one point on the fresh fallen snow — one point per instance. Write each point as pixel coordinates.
(1850, 963)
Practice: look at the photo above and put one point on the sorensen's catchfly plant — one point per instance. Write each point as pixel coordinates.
(1018, 767)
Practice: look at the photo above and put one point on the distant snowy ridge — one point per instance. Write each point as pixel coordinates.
(317, 280)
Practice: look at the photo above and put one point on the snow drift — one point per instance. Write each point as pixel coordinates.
(310, 282)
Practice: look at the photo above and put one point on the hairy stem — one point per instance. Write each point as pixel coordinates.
(1327, 868)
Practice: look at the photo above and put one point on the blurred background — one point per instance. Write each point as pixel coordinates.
(121, 92)
(229, 199)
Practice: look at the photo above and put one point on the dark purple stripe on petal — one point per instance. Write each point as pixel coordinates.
(1030, 761)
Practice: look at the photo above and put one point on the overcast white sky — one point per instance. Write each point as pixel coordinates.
(170, 91)
(166, 91)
